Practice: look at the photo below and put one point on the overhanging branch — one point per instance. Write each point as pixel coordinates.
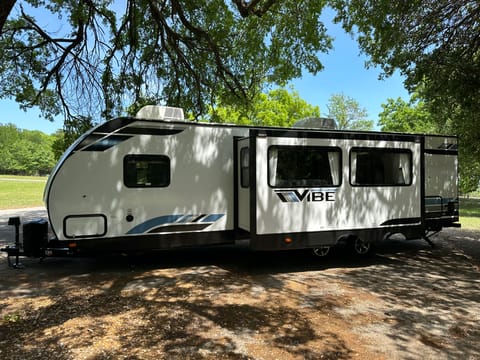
(247, 9)
(6, 7)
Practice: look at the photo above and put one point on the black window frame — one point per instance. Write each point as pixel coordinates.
(149, 159)
(384, 151)
(304, 147)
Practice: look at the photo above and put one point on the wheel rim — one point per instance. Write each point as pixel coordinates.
(361, 247)
(322, 251)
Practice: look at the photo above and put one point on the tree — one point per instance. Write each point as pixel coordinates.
(72, 130)
(25, 152)
(469, 179)
(97, 57)
(435, 45)
(9, 135)
(6, 7)
(348, 113)
(409, 117)
(416, 117)
(278, 107)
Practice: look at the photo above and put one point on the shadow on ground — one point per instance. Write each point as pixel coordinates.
(230, 302)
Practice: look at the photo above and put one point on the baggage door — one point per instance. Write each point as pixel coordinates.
(243, 184)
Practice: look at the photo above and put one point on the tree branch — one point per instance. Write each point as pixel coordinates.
(247, 9)
(6, 7)
(229, 79)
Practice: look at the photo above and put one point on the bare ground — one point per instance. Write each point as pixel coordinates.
(406, 302)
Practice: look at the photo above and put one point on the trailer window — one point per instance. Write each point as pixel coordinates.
(301, 166)
(380, 167)
(146, 171)
(244, 168)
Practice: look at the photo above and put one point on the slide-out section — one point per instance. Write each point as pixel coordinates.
(306, 190)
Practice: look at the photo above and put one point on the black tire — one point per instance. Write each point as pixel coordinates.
(359, 247)
(322, 251)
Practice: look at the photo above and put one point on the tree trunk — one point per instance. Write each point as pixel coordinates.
(6, 7)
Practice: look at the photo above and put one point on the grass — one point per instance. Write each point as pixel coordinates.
(470, 213)
(21, 191)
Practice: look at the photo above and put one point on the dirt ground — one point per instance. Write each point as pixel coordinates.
(408, 301)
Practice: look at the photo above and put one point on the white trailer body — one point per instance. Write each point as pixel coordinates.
(131, 179)
(136, 184)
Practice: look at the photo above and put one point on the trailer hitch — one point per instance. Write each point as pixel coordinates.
(35, 243)
(15, 250)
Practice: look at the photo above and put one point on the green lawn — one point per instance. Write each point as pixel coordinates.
(21, 191)
(470, 213)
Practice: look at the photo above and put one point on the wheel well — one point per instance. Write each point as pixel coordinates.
(347, 238)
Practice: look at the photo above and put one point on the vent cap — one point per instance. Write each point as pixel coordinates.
(316, 123)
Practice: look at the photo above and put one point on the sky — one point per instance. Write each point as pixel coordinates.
(344, 72)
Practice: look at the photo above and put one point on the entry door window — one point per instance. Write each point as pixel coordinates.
(244, 168)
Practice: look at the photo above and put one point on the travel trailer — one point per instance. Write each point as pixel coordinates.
(156, 181)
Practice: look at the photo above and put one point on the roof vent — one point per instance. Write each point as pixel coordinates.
(156, 112)
(316, 123)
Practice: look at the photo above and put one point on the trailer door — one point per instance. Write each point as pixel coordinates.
(243, 184)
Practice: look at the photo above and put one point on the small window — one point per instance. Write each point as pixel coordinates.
(304, 166)
(244, 168)
(380, 167)
(146, 171)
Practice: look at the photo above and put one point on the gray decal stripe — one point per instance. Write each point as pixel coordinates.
(441, 151)
(199, 217)
(178, 228)
(287, 195)
(134, 130)
(107, 143)
(404, 221)
(115, 124)
(89, 140)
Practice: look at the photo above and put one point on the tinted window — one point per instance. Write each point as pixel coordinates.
(244, 168)
(377, 167)
(301, 166)
(146, 171)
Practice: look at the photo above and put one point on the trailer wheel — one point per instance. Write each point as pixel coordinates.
(322, 251)
(359, 246)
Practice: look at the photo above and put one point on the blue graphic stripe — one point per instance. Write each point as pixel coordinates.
(165, 220)
(155, 222)
(211, 218)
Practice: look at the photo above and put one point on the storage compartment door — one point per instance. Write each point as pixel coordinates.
(83, 226)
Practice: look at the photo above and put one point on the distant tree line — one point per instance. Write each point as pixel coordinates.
(25, 152)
